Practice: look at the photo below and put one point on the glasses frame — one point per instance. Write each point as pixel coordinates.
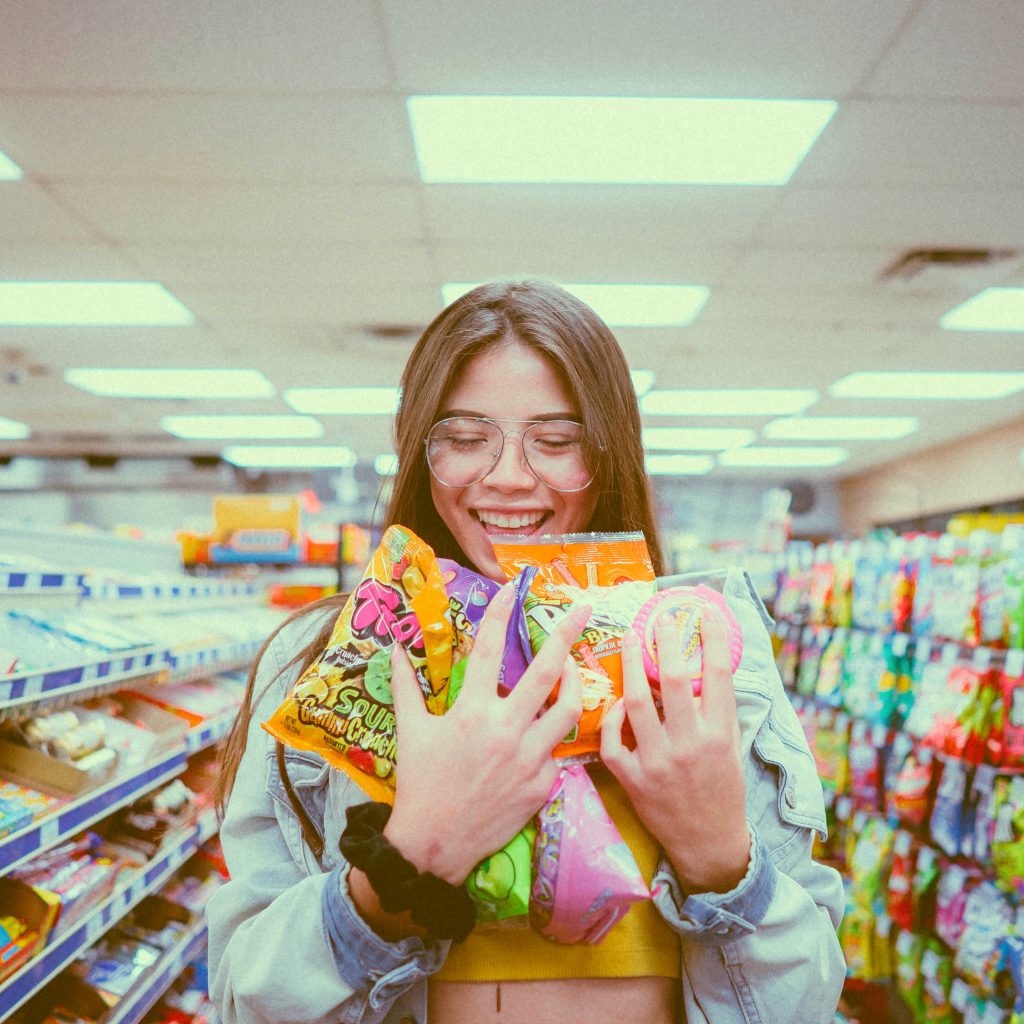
(527, 424)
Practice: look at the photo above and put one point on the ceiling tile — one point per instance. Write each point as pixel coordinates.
(916, 143)
(209, 138)
(29, 216)
(762, 268)
(908, 218)
(626, 216)
(169, 45)
(304, 214)
(803, 49)
(64, 262)
(953, 49)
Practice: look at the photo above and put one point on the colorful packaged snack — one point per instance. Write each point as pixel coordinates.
(612, 573)
(341, 707)
(585, 877)
(686, 605)
(469, 595)
(500, 884)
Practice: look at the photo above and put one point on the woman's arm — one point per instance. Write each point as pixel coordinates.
(285, 941)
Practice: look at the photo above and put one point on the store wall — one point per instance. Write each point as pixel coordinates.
(983, 470)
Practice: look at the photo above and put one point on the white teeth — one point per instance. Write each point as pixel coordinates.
(510, 522)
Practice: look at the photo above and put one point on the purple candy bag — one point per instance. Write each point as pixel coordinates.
(585, 877)
(469, 594)
(518, 650)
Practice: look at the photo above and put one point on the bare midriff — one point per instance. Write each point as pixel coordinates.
(555, 1001)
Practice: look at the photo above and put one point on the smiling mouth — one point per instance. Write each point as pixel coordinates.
(522, 524)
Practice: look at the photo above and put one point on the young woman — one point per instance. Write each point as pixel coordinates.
(719, 798)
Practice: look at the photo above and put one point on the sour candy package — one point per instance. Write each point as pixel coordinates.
(341, 707)
(585, 877)
(612, 573)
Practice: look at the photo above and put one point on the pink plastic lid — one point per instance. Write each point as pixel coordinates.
(687, 604)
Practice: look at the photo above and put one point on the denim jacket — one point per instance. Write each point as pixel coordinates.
(286, 944)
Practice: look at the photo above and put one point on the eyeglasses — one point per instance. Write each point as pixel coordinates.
(462, 450)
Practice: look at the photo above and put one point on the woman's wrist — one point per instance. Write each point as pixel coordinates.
(427, 850)
(719, 869)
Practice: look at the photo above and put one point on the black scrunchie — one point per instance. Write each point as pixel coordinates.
(442, 909)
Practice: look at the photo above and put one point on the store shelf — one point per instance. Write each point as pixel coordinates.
(82, 812)
(56, 956)
(138, 1001)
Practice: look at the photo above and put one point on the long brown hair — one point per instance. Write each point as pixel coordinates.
(584, 352)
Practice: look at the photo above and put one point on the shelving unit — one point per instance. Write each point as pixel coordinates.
(52, 687)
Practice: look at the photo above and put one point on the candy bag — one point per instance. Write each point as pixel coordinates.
(500, 884)
(469, 594)
(585, 877)
(610, 572)
(342, 707)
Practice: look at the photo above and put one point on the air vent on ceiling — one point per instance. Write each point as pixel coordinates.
(946, 269)
(393, 332)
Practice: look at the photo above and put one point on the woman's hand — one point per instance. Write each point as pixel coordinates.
(685, 777)
(468, 780)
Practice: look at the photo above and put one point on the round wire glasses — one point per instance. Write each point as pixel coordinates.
(462, 450)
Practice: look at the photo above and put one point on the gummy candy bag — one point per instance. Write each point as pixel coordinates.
(500, 884)
(469, 594)
(341, 707)
(585, 877)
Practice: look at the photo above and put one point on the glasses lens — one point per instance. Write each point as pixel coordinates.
(462, 450)
(554, 450)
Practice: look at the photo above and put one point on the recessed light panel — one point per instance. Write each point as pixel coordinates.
(679, 465)
(12, 430)
(709, 439)
(9, 170)
(295, 457)
(928, 385)
(643, 381)
(613, 140)
(386, 465)
(994, 309)
(625, 305)
(841, 428)
(160, 383)
(343, 401)
(224, 427)
(90, 304)
(728, 402)
(784, 458)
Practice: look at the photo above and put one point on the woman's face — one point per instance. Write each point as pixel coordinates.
(509, 382)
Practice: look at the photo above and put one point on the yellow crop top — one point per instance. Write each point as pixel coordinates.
(640, 945)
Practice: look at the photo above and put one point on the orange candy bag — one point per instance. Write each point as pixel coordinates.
(611, 572)
(341, 707)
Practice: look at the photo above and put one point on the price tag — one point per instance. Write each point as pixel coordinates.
(902, 843)
(94, 928)
(49, 831)
(1015, 663)
(982, 658)
(959, 994)
(899, 644)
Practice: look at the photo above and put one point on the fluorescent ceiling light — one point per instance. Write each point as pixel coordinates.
(223, 427)
(728, 402)
(624, 305)
(781, 458)
(9, 170)
(679, 465)
(613, 140)
(295, 457)
(147, 383)
(643, 381)
(12, 430)
(927, 385)
(90, 304)
(343, 401)
(385, 465)
(841, 428)
(708, 439)
(994, 309)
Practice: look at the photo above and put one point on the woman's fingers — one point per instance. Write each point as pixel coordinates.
(617, 757)
(636, 692)
(554, 725)
(488, 647)
(537, 682)
(405, 688)
(677, 698)
(717, 696)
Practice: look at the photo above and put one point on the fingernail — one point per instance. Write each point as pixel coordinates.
(506, 594)
(629, 638)
(581, 615)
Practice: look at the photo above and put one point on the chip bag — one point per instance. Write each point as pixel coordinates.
(342, 707)
(612, 573)
(585, 877)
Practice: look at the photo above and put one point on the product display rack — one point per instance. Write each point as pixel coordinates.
(50, 688)
(57, 955)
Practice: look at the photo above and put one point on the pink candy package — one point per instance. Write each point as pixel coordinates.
(585, 877)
